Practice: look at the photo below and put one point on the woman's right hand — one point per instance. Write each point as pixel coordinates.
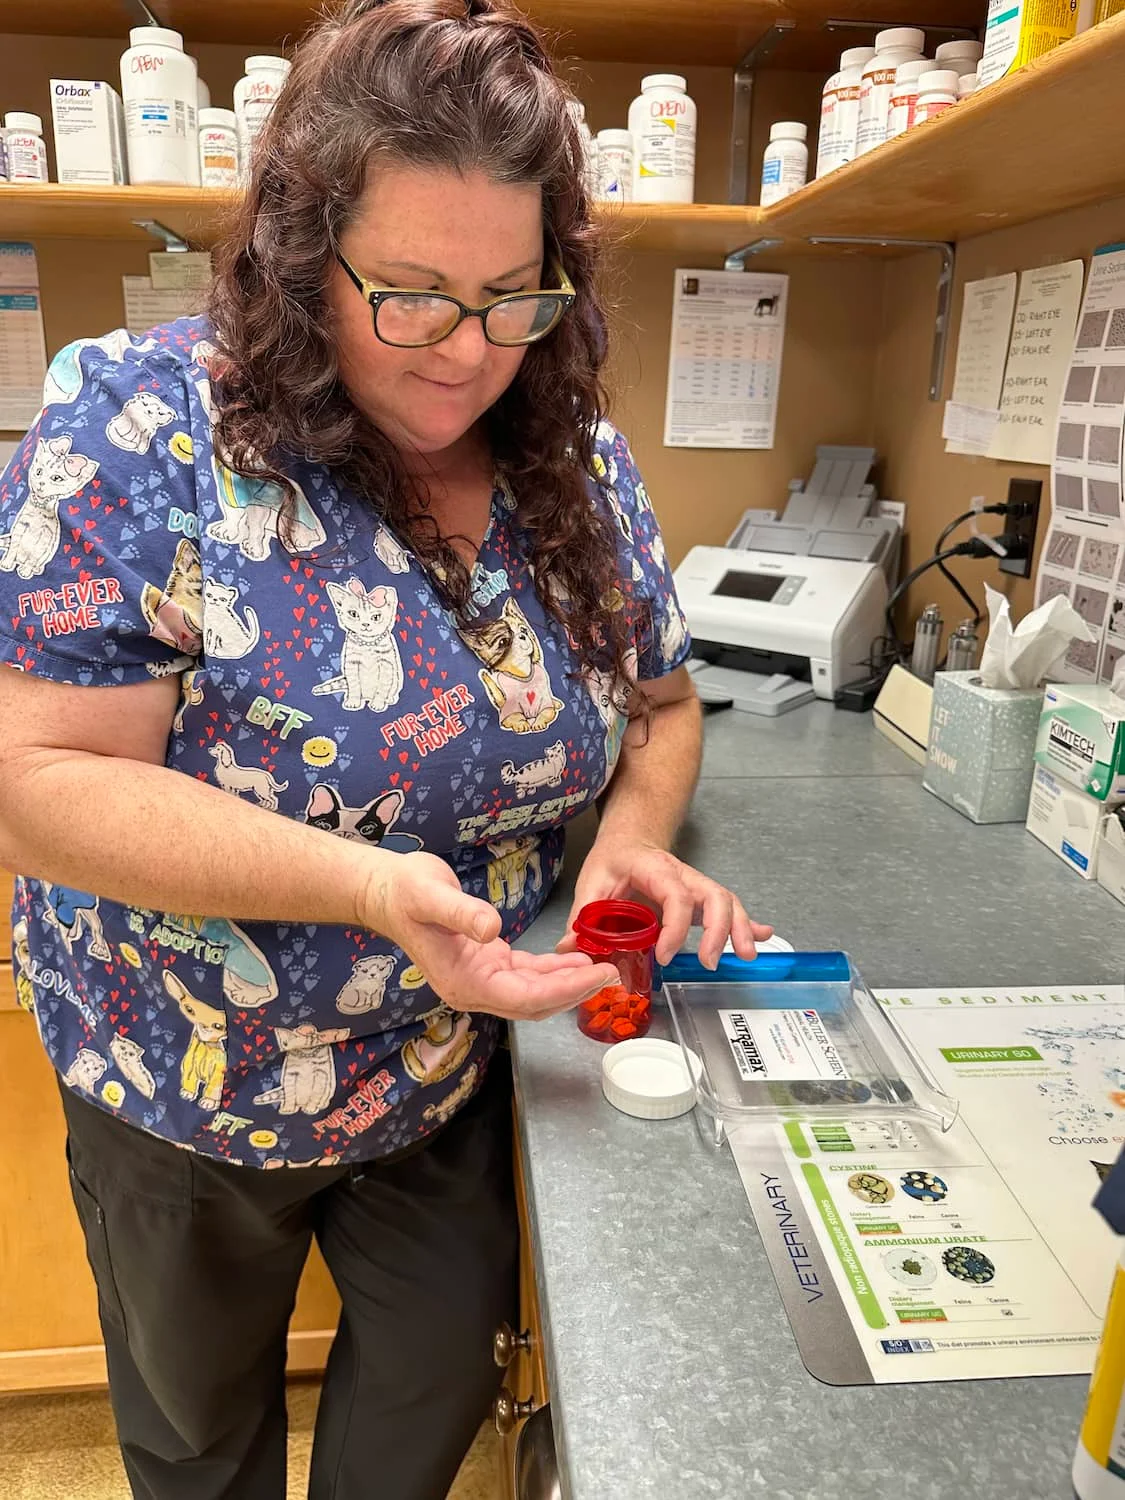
(416, 900)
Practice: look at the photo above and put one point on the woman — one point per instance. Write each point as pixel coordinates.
(358, 550)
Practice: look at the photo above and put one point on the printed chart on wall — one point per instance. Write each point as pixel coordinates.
(23, 353)
(1083, 556)
(724, 363)
(903, 1254)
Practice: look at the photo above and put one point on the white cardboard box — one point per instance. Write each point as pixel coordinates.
(1111, 855)
(1066, 820)
(88, 128)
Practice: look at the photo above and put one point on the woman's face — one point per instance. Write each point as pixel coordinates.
(430, 230)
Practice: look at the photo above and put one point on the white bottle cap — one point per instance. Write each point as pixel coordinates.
(941, 81)
(788, 130)
(649, 1078)
(856, 57)
(908, 72)
(950, 51)
(967, 85)
(903, 38)
(218, 117)
(256, 64)
(17, 120)
(155, 36)
(663, 81)
(615, 138)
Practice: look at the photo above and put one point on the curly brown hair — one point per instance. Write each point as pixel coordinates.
(459, 85)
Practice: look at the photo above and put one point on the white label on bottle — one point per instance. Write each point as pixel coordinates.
(667, 140)
(27, 160)
(615, 174)
(771, 1044)
(874, 102)
(847, 124)
(931, 109)
(157, 117)
(900, 116)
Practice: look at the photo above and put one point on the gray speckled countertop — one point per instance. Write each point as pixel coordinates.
(674, 1375)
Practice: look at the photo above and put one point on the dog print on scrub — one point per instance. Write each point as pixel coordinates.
(367, 985)
(370, 665)
(251, 515)
(237, 779)
(69, 911)
(127, 1055)
(390, 552)
(191, 696)
(248, 980)
(56, 474)
(369, 825)
(308, 1070)
(443, 1112)
(513, 860)
(547, 770)
(138, 422)
(204, 1063)
(441, 1049)
(175, 613)
(513, 674)
(227, 635)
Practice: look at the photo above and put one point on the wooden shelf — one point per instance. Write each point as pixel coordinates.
(642, 31)
(56, 210)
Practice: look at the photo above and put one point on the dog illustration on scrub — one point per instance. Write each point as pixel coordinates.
(308, 1071)
(513, 860)
(69, 911)
(252, 514)
(204, 1063)
(237, 779)
(370, 664)
(513, 674)
(56, 474)
(442, 1047)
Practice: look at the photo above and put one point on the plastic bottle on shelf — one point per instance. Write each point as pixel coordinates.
(589, 147)
(3, 157)
(959, 57)
(937, 92)
(254, 96)
(218, 148)
(615, 166)
(159, 90)
(662, 122)
(898, 45)
(785, 165)
(967, 84)
(24, 148)
(904, 97)
(839, 111)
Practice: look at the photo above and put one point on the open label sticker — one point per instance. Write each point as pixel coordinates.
(775, 1044)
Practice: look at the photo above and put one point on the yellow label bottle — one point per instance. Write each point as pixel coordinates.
(1019, 31)
(1099, 1464)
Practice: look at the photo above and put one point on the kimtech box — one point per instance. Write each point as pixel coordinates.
(1081, 738)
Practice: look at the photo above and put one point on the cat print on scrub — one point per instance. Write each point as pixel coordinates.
(248, 980)
(252, 511)
(612, 706)
(69, 911)
(546, 770)
(370, 664)
(138, 422)
(85, 1070)
(175, 613)
(56, 474)
(513, 674)
(513, 859)
(390, 552)
(127, 1055)
(367, 986)
(308, 1070)
(237, 779)
(441, 1113)
(441, 1049)
(204, 1063)
(673, 634)
(369, 825)
(191, 696)
(64, 378)
(226, 634)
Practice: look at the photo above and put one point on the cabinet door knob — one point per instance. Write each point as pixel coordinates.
(507, 1411)
(506, 1344)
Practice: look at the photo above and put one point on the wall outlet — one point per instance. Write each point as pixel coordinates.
(1025, 492)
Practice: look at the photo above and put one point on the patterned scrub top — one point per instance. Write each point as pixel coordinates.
(327, 684)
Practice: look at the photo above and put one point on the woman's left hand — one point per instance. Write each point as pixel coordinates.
(681, 897)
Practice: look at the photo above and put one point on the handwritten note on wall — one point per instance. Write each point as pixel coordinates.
(982, 347)
(1038, 355)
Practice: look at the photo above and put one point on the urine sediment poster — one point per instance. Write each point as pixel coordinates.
(1083, 557)
(23, 353)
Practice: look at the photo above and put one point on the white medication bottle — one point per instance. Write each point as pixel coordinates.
(615, 166)
(202, 92)
(898, 45)
(1019, 31)
(254, 96)
(218, 148)
(159, 89)
(589, 147)
(86, 117)
(967, 84)
(3, 157)
(937, 92)
(24, 147)
(839, 111)
(904, 97)
(785, 165)
(1100, 1460)
(959, 57)
(662, 123)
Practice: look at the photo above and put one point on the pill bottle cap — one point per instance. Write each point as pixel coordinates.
(900, 38)
(968, 84)
(17, 120)
(266, 60)
(649, 1078)
(941, 81)
(856, 57)
(962, 50)
(663, 81)
(788, 130)
(155, 36)
(615, 138)
(218, 117)
(909, 72)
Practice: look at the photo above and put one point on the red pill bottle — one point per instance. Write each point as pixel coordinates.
(625, 934)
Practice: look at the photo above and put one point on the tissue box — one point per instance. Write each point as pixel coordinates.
(982, 747)
(1066, 820)
(1111, 855)
(1082, 738)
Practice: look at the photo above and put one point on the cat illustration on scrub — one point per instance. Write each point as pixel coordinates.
(366, 988)
(370, 664)
(138, 422)
(226, 635)
(56, 474)
(513, 674)
(369, 825)
(252, 513)
(65, 379)
(204, 1063)
(127, 1055)
(175, 612)
(546, 770)
(308, 1070)
(84, 1072)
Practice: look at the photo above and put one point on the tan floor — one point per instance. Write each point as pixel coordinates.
(62, 1448)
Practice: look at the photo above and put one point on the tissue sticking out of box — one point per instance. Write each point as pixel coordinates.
(1030, 653)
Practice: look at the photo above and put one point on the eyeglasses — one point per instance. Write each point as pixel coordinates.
(413, 320)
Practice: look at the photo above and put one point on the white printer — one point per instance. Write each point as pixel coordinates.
(790, 608)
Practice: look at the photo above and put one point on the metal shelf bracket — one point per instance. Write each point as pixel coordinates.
(739, 188)
(947, 252)
(736, 260)
(168, 237)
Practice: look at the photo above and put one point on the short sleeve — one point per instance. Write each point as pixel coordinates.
(663, 641)
(100, 579)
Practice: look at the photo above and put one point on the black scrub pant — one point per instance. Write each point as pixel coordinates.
(197, 1265)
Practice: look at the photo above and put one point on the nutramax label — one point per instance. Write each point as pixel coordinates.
(1082, 739)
